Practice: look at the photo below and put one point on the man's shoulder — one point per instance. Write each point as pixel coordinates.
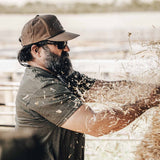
(40, 76)
(40, 85)
(45, 81)
(36, 79)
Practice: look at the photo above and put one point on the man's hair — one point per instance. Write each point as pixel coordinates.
(24, 55)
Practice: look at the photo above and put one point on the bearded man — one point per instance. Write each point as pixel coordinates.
(52, 96)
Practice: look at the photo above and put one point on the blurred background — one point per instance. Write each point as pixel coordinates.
(119, 39)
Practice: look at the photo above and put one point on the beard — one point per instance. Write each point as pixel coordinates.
(60, 65)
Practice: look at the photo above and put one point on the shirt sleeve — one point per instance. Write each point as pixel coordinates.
(54, 102)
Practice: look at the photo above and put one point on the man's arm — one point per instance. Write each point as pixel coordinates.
(99, 91)
(86, 121)
(117, 91)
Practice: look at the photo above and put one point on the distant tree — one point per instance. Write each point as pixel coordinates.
(135, 2)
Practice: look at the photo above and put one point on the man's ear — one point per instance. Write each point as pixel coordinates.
(34, 51)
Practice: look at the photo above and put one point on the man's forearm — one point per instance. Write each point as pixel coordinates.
(115, 119)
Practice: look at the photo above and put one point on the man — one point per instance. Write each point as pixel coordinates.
(52, 96)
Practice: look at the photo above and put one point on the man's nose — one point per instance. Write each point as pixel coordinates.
(66, 49)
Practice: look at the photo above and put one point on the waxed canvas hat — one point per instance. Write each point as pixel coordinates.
(44, 27)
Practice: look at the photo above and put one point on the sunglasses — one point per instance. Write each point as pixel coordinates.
(60, 45)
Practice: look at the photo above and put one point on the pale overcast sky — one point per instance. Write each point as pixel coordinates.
(56, 1)
(20, 2)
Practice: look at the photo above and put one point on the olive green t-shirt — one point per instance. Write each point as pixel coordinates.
(43, 104)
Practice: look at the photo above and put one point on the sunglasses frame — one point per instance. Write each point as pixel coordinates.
(59, 44)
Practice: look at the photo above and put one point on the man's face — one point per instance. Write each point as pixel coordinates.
(59, 64)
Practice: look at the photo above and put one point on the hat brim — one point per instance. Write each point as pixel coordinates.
(65, 36)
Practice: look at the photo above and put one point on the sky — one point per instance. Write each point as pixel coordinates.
(21, 2)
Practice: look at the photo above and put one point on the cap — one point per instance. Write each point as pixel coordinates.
(44, 27)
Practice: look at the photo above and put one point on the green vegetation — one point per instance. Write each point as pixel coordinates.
(39, 7)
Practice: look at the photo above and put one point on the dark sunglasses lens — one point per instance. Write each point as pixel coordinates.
(61, 45)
